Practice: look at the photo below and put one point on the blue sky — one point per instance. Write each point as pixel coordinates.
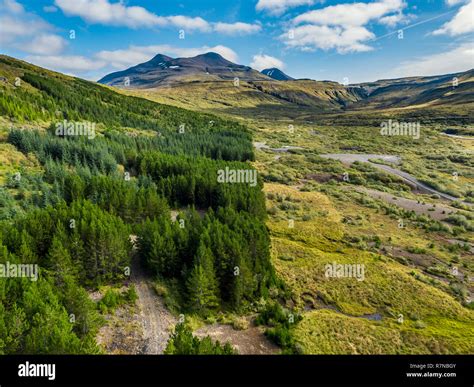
(352, 41)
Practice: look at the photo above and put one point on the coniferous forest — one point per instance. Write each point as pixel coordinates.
(93, 207)
(261, 179)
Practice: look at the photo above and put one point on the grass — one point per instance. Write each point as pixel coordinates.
(301, 252)
(327, 332)
(316, 218)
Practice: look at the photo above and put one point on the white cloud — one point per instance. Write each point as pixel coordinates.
(452, 61)
(103, 12)
(187, 23)
(65, 63)
(393, 20)
(343, 27)
(262, 62)
(13, 7)
(133, 55)
(312, 37)
(119, 14)
(351, 14)
(454, 2)
(277, 7)
(462, 23)
(27, 32)
(237, 28)
(45, 44)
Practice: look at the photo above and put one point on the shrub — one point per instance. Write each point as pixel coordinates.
(182, 342)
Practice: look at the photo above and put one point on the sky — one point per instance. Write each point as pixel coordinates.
(344, 41)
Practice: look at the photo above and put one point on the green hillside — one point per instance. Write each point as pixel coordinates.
(317, 218)
(85, 208)
(144, 189)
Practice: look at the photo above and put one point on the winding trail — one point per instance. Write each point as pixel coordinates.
(411, 180)
(155, 318)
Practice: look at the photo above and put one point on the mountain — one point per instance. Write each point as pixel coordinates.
(205, 83)
(276, 74)
(453, 89)
(164, 71)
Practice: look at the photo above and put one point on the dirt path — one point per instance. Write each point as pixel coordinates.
(156, 320)
(145, 327)
(411, 180)
(250, 341)
(458, 137)
(438, 212)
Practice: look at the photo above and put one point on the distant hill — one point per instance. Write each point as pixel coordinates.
(416, 91)
(163, 70)
(202, 81)
(47, 96)
(276, 74)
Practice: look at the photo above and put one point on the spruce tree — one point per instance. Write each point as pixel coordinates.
(202, 283)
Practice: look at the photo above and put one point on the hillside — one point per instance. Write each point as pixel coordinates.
(411, 270)
(451, 89)
(45, 96)
(206, 82)
(83, 205)
(144, 191)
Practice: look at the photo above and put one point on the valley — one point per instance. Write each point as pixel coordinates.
(396, 212)
(331, 190)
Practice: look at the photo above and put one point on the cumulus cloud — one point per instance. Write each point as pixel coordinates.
(27, 32)
(45, 44)
(454, 60)
(461, 23)
(454, 2)
(351, 14)
(188, 23)
(310, 37)
(66, 63)
(262, 62)
(118, 14)
(277, 7)
(237, 28)
(393, 20)
(343, 27)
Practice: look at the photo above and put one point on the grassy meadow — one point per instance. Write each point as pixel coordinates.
(416, 294)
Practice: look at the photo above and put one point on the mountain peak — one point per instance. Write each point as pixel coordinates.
(163, 70)
(276, 74)
(211, 55)
(213, 59)
(160, 58)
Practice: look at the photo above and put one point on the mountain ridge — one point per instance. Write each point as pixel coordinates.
(163, 71)
(272, 85)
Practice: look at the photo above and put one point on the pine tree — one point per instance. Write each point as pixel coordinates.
(202, 284)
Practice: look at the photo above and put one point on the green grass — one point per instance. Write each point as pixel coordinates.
(327, 332)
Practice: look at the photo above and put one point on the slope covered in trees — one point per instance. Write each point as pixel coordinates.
(75, 215)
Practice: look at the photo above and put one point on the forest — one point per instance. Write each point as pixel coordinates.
(96, 205)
